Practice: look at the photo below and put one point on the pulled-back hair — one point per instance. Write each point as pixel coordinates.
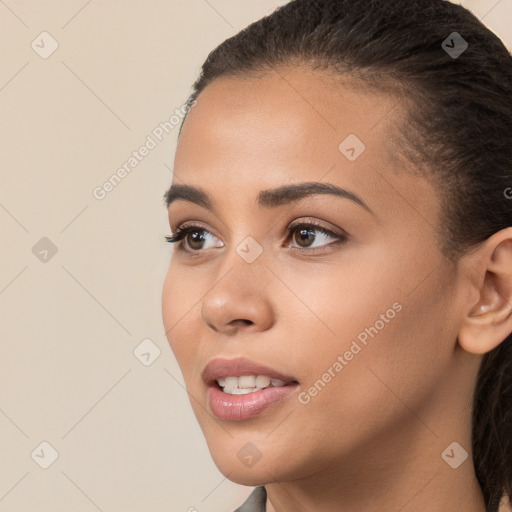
(457, 130)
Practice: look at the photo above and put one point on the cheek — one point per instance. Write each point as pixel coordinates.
(391, 345)
(169, 302)
(390, 301)
(178, 307)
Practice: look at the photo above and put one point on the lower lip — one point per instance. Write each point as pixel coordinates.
(242, 407)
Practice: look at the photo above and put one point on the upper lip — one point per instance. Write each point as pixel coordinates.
(220, 367)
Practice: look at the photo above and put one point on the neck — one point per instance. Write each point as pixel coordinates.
(432, 495)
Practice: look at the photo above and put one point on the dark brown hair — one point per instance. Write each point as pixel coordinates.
(458, 128)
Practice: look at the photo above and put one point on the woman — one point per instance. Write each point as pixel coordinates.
(340, 295)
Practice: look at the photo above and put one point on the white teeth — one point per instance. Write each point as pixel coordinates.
(231, 382)
(262, 381)
(247, 381)
(247, 384)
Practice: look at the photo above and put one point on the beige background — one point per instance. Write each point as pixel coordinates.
(124, 432)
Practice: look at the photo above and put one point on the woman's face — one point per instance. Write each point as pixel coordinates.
(361, 322)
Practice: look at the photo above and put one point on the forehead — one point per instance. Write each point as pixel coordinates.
(282, 115)
(295, 125)
(294, 109)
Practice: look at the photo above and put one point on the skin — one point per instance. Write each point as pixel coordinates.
(372, 438)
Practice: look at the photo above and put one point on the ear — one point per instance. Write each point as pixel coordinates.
(488, 321)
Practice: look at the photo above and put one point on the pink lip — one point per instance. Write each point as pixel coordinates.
(241, 407)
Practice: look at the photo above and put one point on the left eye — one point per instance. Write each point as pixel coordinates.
(304, 235)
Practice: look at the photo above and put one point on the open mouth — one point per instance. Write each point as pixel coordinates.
(240, 389)
(249, 384)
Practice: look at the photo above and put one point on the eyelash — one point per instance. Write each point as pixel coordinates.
(182, 232)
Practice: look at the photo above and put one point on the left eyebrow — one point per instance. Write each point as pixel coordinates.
(271, 198)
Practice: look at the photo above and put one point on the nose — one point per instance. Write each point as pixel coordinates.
(240, 299)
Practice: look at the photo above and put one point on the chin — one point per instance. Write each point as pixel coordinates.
(243, 461)
(240, 461)
(249, 476)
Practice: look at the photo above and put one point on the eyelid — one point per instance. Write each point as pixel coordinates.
(192, 224)
(320, 225)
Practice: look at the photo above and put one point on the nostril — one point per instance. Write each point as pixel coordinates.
(242, 321)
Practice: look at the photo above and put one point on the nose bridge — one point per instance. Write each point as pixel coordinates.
(245, 266)
(245, 255)
(241, 291)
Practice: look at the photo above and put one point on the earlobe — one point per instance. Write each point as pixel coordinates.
(489, 321)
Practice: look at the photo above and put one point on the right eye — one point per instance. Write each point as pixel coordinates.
(195, 242)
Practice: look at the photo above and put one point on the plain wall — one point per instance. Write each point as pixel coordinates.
(125, 433)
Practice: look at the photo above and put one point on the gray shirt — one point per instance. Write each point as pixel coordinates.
(256, 502)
